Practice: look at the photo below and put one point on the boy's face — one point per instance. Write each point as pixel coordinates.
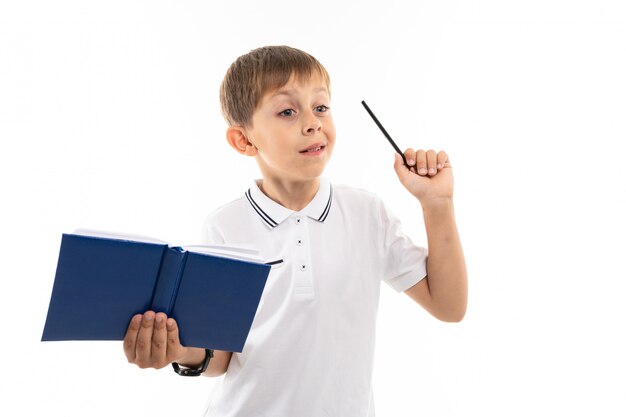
(293, 131)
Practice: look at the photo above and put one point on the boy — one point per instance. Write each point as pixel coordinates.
(311, 347)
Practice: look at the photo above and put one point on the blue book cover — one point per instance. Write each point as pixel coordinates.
(101, 282)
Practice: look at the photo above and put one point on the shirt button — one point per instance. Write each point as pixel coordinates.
(299, 242)
(302, 267)
(298, 220)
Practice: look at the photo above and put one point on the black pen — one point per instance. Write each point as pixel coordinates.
(385, 132)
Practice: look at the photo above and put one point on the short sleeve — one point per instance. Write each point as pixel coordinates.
(404, 263)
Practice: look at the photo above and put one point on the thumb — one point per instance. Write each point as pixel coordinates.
(174, 348)
(401, 170)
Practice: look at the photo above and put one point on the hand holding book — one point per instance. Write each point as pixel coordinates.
(102, 280)
(152, 341)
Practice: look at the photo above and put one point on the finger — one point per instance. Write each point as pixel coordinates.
(442, 160)
(131, 337)
(143, 347)
(159, 342)
(409, 155)
(431, 162)
(174, 348)
(412, 162)
(422, 167)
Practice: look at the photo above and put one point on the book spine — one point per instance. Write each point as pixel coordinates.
(168, 280)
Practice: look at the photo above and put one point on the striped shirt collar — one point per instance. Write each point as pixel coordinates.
(272, 213)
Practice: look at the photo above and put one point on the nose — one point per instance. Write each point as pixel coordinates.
(311, 125)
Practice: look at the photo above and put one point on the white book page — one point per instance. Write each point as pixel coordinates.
(244, 253)
(234, 252)
(120, 236)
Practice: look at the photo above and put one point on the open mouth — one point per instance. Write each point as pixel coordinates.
(313, 149)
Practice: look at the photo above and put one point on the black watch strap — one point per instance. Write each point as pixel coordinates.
(194, 372)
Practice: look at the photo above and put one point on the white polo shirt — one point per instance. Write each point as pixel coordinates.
(310, 350)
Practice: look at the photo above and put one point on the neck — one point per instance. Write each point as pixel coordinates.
(294, 195)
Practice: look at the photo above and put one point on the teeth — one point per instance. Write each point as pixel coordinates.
(315, 150)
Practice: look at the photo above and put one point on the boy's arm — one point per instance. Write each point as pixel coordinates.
(443, 293)
(152, 341)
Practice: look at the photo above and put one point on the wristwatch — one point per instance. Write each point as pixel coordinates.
(194, 372)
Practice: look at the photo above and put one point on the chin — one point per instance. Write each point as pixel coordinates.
(313, 172)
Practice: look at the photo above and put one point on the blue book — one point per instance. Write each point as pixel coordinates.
(102, 281)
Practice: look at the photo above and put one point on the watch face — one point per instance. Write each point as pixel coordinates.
(191, 372)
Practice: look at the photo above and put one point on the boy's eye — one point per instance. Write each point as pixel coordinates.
(287, 113)
(322, 108)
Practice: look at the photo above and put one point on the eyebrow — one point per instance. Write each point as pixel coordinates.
(290, 92)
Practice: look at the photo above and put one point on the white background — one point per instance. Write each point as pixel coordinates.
(109, 119)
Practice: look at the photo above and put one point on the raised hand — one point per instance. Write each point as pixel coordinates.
(429, 176)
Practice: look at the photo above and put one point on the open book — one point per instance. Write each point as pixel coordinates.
(104, 278)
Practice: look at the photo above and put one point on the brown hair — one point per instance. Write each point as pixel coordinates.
(258, 72)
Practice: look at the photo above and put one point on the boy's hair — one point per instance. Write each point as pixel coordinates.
(260, 71)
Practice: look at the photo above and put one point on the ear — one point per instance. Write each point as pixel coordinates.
(237, 137)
